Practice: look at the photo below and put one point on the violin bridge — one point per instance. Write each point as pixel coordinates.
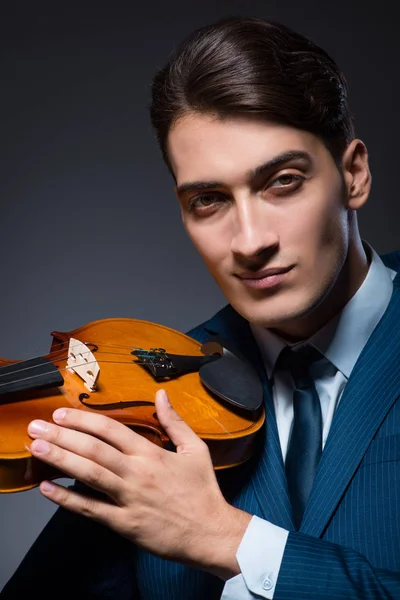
(82, 362)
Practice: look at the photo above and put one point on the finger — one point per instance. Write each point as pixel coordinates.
(181, 435)
(79, 443)
(109, 430)
(94, 508)
(80, 468)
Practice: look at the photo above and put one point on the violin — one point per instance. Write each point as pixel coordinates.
(114, 367)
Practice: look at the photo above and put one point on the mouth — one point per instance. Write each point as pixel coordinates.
(266, 278)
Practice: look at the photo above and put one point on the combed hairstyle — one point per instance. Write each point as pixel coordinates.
(244, 66)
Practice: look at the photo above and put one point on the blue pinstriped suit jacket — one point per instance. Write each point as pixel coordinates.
(349, 542)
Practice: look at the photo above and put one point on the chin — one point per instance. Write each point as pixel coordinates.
(274, 315)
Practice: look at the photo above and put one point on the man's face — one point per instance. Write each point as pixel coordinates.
(266, 208)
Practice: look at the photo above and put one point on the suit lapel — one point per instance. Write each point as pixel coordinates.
(373, 387)
(268, 473)
(269, 479)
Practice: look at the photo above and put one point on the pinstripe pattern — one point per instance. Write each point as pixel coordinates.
(374, 529)
(354, 507)
(331, 572)
(270, 480)
(365, 402)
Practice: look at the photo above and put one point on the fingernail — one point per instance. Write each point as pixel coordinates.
(59, 414)
(37, 427)
(47, 487)
(162, 394)
(40, 447)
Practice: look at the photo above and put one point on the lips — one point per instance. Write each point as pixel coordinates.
(267, 279)
(264, 273)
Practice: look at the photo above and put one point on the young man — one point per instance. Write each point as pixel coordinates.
(254, 124)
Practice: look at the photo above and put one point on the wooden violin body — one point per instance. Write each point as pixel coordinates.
(124, 391)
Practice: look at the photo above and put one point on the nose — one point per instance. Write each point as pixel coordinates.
(253, 230)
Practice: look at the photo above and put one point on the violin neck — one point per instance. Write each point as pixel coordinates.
(24, 376)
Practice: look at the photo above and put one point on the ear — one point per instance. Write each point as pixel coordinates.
(356, 173)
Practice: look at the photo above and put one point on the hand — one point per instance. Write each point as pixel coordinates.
(166, 502)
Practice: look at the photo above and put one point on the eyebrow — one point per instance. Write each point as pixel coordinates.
(273, 163)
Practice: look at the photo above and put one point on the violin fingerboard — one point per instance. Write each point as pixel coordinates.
(33, 374)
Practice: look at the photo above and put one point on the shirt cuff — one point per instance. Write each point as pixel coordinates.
(259, 557)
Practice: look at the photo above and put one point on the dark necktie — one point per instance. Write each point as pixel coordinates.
(305, 444)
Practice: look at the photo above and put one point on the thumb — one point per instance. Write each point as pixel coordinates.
(181, 435)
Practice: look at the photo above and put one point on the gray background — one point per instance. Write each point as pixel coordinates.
(89, 224)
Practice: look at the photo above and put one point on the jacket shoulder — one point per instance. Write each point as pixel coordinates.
(392, 260)
(221, 318)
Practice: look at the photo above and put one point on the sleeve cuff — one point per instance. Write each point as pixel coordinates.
(259, 557)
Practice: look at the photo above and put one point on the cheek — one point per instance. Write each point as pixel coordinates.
(322, 228)
(211, 246)
(333, 235)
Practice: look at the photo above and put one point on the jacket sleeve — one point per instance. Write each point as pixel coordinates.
(299, 566)
(74, 555)
(312, 569)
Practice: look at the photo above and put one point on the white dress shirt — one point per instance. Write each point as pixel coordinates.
(340, 342)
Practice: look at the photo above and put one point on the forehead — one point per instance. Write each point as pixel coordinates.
(203, 146)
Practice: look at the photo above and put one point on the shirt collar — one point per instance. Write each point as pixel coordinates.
(343, 338)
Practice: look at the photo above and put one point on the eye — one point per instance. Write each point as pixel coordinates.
(205, 201)
(287, 181)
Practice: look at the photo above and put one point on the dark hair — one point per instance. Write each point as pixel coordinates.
(251, 66)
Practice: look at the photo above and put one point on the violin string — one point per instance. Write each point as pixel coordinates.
(84, 343)
(118, 362)
(59, 359)
(61, 344)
